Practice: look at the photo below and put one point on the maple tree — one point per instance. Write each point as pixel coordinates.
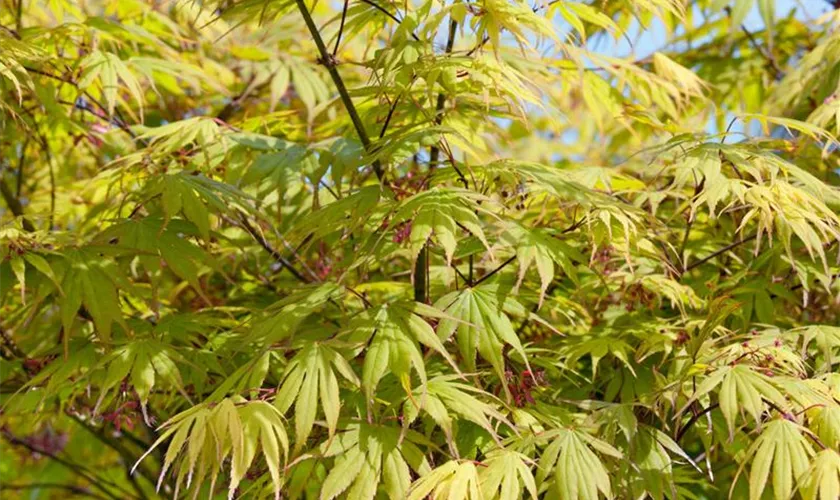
(430, 249)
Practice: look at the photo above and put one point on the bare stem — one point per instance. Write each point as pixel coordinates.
(329, 61)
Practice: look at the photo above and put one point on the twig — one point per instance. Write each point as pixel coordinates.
(718, 252)
(392, 16)
(56, 486)
(340, 28)
(329, 61)
(694, 419)
(421, 267)
(230, 107)
(283, 261)
(94, 481)
(768, 56)
(390, 115)
(494, 271)
(15, 206)
(19, 186)
(11, 345)
(19, 16)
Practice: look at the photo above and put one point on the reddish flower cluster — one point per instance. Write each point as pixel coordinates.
(124, 416)
(402, 232)
(520, 386)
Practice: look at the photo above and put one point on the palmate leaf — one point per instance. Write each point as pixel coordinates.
(370, 458)
(345, 215)
(438, 213)
(543, 250)
(515, 19)
(573, 469)
(596, 347)
(145, 363)
(61, 376)
(822, 480)
(280, 320)
(826, 424)
(156, 239)
(446, 400)
(19, 264)
(108, 70)
(507, 476)
(90, 279)
(480, 325)
(196, 197)
(393, 332)
(12, 53)
(452, 480)
(826, 339)
(199, 131)
(650, 449)
(204, 436)
(740, 389)
(782, 448)
(310, 377)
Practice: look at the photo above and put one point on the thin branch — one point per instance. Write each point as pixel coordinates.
(230, 107)
(458, 271)
(340, 28)
(93, 480)
(390, 115)
(101, 113)
(259, 238)
(694, 419)
(19, 16)
(494, 271)
(718, 252)
(56, 486)
(767, 55)
(329, 61)
(19, 186)
(392, 16)
(11, 345)
(15, 206)
(120, 449)
(421, 267)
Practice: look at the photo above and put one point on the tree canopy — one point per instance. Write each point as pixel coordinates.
(441, 249)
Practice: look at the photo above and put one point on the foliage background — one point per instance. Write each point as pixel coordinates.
(485, 249)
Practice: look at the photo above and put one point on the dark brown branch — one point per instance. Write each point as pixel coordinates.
(459, 273)
(388, 118)
(391, 16)
(718, 252)
(693, 420)
(96, 482)
(259, 238)
(329, 61)
(494, 271)
(421, 267)
(14, 205)
(11, 345)
(340, 28)
(78, 490)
